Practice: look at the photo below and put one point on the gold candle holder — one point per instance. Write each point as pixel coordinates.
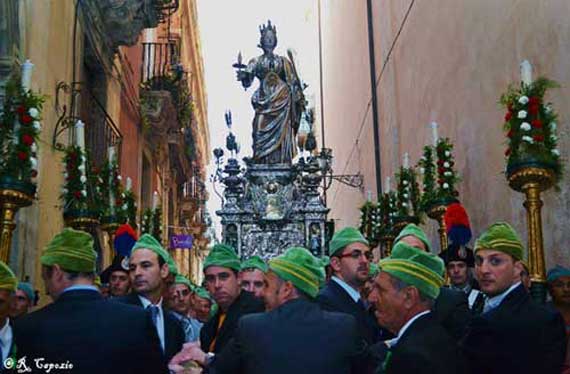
(532, 180)
(83, 220)
(436, 211)
(10, 200)
(387, 241)
(110, 227)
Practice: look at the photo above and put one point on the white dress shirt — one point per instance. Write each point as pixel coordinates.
(493, 302)
(6, 339)
(159, 320)
(354, 294)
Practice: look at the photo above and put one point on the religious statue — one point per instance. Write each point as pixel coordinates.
(279, 101)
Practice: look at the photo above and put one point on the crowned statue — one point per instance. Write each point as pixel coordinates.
(278, 102)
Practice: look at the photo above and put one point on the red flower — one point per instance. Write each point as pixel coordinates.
(26, 119)
(440, 181)
(118, 202)
(538, 138)
(95, 170)
(23, 156)
(534, 100)
(27, 139)
(77, 194)
(533, 109)
(508, 152)
(510, 133)
(536, 123)
(510, 107)
(440, 162)
(21, 109)
(440, 170)
(34, 173)
(508, 116)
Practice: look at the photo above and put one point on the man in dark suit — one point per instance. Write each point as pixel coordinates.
(221, 269)
(350, 258)
(451, 308)
(149, 270)
(513, 335)
(81, 330)
(404, 292)
(295, 336)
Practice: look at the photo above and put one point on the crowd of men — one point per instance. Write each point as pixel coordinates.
(294, 313)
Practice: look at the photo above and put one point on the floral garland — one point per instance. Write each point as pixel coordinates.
(130, 208)
(157, 223)
(74, 193)
(111, 182)
(367, 219)
(95, 183)
(19, 132)
(530, 125)
(146, 221)
(446, 176)
(427, 169)
(408, 194)
(388, 211)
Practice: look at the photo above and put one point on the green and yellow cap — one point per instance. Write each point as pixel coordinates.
(301, 268)
(501, 237)
(72, 250)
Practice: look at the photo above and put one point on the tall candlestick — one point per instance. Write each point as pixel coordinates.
(27, 68)
(111, 156)
(129, 184)
(406, 160)
(388, 184)
(154, 200)
(434, 135)
(526, 72)
(80, 135)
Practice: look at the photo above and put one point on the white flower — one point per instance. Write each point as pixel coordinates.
(447, 153)
(125, 207)
(523, 100)
(34, 148)
(16, 140)
(65, 175)
(404, 204)
(34, 162)
(447, 173)
(548, 108)
(445, 186)
(554, 138)
(446, 164)
(405, 182)
(528, 139)
(556, 152)
(83, 158)
(522, 114)
(34, 113)
(37, 125)
(119, 177)
(422, 170)
(84, 193)
(423, 158)
(525, 126)
(405, 196)
(81, 167)
(64, 190)
(83, 179)
(553, 126)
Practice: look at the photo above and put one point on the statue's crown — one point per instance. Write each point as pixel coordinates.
(263, 29)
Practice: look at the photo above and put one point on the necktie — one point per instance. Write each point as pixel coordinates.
(386, 361)
(154, 314)
(220, 323)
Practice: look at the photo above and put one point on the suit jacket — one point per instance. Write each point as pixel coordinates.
(245, 303)
(425, 347)
(297, 337)
(174, 336)
(452, 311)
(518, 336)
(334, 298)
(92, 334)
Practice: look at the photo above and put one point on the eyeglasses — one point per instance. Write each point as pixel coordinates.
(356, 255)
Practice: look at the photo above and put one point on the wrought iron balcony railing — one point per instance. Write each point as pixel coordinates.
(160, 64)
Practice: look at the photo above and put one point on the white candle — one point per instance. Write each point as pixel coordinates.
(387, 184)
(406, 160)
(27, 68)
(434, 135)
(129, 184)
(111, 156)
(80, 135)
(154, 200)
(526, 72)
(369, 195)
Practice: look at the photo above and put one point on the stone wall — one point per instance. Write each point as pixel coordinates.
(450, 63)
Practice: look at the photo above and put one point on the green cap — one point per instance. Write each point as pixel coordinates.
(373, 270)
(415, 267)
(181, 279)
(414, 230)
(149, 242)
(254, 262)
(224, 256)
(28, 290)
(72, 250)
(325, 261)
(301, 268)
(8, 280)
(501, 237)
(201, 292)
(344, 237)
